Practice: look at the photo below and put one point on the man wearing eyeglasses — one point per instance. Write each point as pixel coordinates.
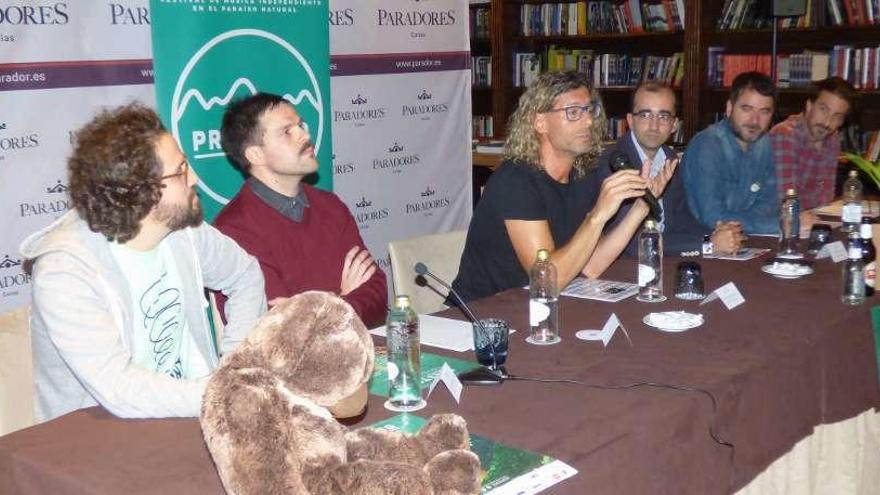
(304, 238)
(541, 197)
(728, 167)
(806, 146)
(651, 122)
(118, 282)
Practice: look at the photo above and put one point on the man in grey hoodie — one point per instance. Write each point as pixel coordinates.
(118, 282)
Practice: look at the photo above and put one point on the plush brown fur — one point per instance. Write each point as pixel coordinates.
(266, 423)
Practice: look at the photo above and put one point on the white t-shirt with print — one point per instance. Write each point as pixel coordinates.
(162, 341)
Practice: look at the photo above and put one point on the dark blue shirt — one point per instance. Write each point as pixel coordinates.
(725, 183)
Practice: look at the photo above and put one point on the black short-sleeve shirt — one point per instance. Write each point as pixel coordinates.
(517, 191)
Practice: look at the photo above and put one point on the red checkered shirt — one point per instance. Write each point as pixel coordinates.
(800, 165)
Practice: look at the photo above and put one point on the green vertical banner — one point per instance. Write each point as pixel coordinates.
(208, 53)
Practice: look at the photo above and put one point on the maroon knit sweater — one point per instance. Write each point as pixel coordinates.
(296, 257)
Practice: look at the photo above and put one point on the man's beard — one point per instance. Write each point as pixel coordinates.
(738, 131)
(178, 217)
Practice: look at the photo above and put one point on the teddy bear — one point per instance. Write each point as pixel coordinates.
(268, 414)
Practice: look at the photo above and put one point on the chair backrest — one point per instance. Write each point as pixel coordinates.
(440, 252)
(16, 371)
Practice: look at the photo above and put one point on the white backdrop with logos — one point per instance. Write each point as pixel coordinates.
(400, 102)
(59, 62)
(401, 95)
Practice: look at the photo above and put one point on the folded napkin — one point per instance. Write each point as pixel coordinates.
(674, 320)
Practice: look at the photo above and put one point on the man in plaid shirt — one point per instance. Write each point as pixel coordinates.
(806, 146)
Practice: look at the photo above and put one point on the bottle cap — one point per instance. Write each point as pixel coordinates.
(401, 301)
(543, 254)
(853, 173)
(707, 238)
(650, 224)
(790, 192)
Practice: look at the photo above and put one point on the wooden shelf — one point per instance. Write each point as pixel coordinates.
(697, 100)
(487, 160)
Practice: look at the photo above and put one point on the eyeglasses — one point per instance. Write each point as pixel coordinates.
(183, 171)
(664, 118)
(573, 113)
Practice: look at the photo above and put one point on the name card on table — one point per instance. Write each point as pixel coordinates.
(606, 333)
(729, 295)
(450, 379)
(835, 249)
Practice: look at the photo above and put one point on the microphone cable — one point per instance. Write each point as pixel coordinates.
(713, 426)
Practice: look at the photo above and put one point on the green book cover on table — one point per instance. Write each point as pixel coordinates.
(505, 470)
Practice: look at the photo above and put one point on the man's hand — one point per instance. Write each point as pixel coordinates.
(658, 183)
(727, 237)
(616, 188)
(357, 268)
(808, 219)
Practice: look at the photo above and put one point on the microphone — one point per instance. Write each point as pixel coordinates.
(620, 162)
(481, 375)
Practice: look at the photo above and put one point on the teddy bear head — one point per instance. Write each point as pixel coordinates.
(313, 342)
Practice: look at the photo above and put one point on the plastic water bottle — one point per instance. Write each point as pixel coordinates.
(404, 357)
(869, 255)
(851, 214)
(543, 301)
(650, 264)
(789, 225)
(853, 274)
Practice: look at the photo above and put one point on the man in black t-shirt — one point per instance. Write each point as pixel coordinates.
(540, 196)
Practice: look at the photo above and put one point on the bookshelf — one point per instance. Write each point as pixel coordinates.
(808, 39)
(699, 102)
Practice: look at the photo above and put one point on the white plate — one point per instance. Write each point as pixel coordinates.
(787, 270)
(647, 320)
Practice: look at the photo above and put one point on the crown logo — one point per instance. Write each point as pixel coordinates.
(9, 263)
(360, 100)
(428, 192)
(396, 148)
(363, 203)
(424, 95)
(57, 188)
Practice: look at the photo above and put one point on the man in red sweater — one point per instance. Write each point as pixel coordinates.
(304, 238)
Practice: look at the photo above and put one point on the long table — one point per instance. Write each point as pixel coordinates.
(790, 358)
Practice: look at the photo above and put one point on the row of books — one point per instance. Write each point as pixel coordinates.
(603, 69)
(859, 66)
(757, 14)
(481, 71)
(597, 17)
(480, 22)
(482, 127)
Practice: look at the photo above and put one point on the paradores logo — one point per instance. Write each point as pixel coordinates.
(223, 70)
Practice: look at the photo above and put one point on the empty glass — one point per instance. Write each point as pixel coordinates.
(820, 234)
(689, 281)
(495, 331)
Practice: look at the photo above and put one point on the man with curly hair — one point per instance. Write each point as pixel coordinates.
(304, 238)
(542, 196)
(118, 282)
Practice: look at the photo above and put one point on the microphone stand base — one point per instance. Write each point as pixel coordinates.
(483, 376)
